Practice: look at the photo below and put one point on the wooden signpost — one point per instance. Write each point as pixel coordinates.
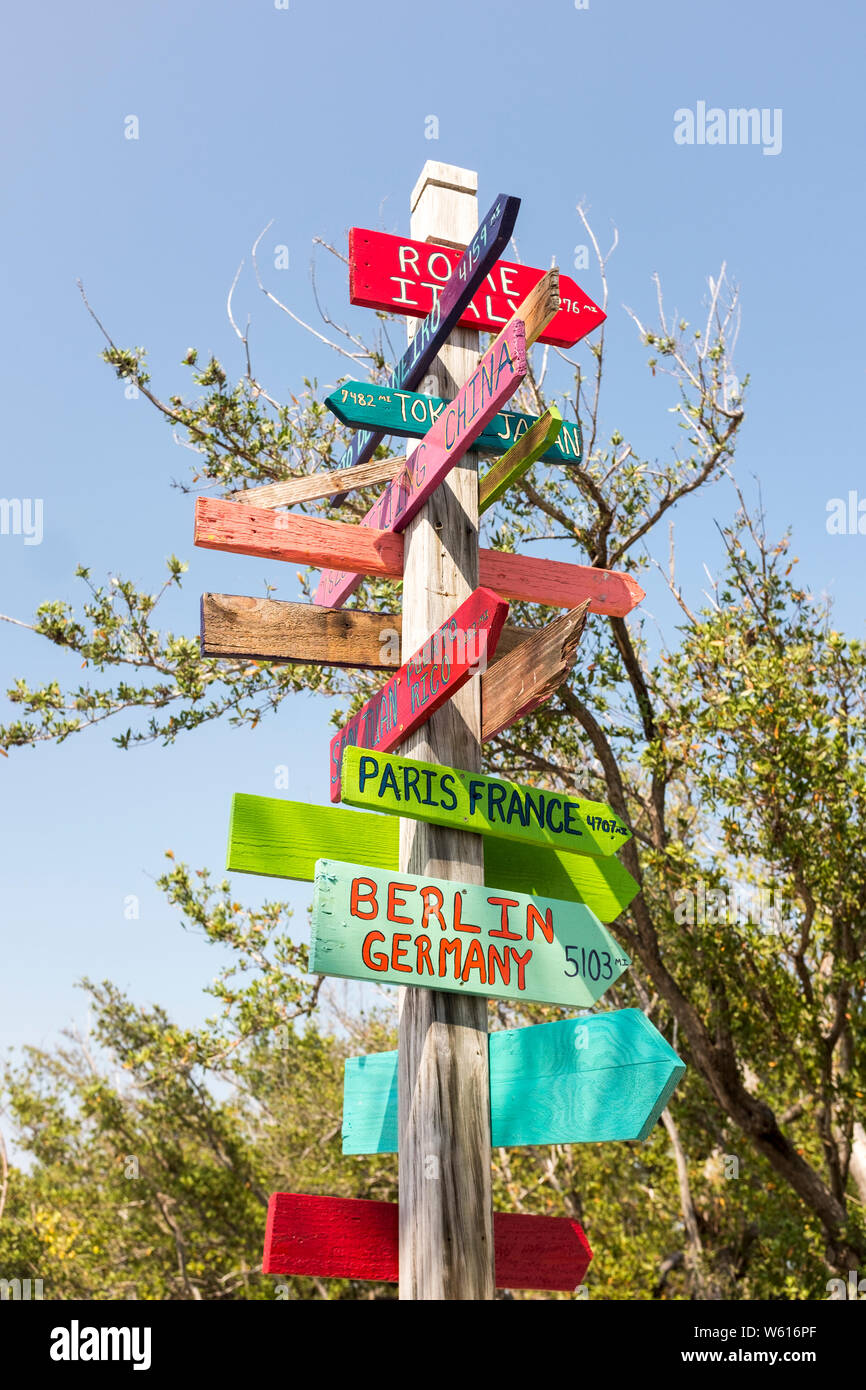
(405, 276)
(313, 540)
(283, 839)
(578, 1081)
(409, 415)
(497, 377)
(432, 675)
(488, 805)
(348, 1238)
(492, 237)
(410, 929)
(468, 887)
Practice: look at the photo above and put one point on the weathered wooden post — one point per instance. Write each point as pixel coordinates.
(518, 882)
(446, 1211)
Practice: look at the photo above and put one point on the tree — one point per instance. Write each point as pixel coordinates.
(736, 756)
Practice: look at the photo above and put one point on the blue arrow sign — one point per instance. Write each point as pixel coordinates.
(581, 1081)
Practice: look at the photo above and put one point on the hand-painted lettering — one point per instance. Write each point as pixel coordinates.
(358, 897)
(433, 901)
(534, 919)
(395, 901)
(503, 929)
(379, 961)
(459, 924)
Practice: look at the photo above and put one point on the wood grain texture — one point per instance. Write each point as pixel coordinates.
(444, 934)
(266, 629)
(494, 381)
(535, 311)
(324, 484)
(579, 1081)
(402, 275)
(263, 629)
(283, 839)
(314, 541)
(350, 1238)
(489, 806)
(559, 584)
(532, 674)
(433, 674)
(446, 1226)
(409, 415)
(519, 458)
(271, 535)
(433, 333)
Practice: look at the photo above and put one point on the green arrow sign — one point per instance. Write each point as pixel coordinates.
(285, 838)
(581, 1081)
(410, 929)
(486, 805)
(409, 415)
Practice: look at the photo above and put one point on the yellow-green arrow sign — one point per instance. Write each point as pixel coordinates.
(285, 838)
(486, 805)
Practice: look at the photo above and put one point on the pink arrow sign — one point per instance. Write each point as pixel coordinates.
(497, 377)
(436, 672)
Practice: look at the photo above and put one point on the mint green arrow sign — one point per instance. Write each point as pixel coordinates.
(410, 929)
(581, 1081)
(409, 414)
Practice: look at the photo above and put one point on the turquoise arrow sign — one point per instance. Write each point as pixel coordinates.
(581, 1081)
(410, 415)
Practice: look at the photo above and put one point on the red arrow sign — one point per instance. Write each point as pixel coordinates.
(397, 274)
(346, 1238)
(436, 672)
(498, 375)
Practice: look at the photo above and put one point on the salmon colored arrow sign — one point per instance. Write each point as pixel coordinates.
(347, 1238)
(497, 377)
(430, 677)
(312, 540)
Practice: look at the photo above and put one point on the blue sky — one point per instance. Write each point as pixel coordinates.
(314, 116)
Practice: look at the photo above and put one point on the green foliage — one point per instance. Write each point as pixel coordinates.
(737, 757)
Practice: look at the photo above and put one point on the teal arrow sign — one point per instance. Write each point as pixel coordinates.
(581, 1081)
(410, 415)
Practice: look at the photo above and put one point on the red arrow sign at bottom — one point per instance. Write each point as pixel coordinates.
(345, 1238)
